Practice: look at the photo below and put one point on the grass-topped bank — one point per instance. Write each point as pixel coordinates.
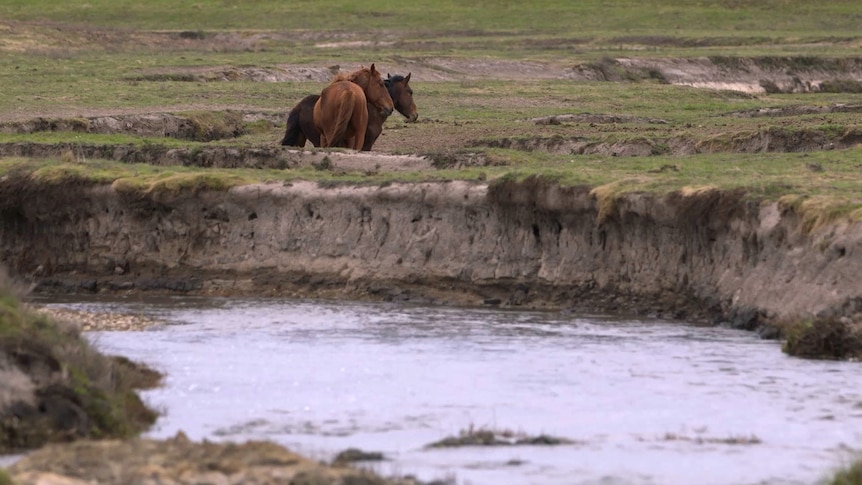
(823, 186)
(56, 387)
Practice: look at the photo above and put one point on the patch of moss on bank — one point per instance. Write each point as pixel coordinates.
(174, 183)
(823, 338)
(215, 125)
(819, 211)
(57, 387)
(492, 437)
(851, 475)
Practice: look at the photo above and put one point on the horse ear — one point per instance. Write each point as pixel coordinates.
(407, 78)
(371, 68)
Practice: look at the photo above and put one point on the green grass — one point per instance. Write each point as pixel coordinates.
(728, 18)
(850, 475)
(827, 338)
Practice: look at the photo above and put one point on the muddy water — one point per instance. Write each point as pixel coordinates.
(645, 402)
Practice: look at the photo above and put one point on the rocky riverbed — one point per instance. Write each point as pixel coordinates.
(100, 321)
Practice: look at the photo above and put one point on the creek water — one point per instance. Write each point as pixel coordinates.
(643, 401)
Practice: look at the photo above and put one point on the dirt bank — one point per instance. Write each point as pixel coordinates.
(705, 255)
(54, 387)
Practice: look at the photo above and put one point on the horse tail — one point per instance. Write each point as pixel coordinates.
(342, 122)
(293, 133)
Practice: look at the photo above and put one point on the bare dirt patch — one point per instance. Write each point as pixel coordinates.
(746, 74)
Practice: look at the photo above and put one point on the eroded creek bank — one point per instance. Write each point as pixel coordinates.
(711, 256)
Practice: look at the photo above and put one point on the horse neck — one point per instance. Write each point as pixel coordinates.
(362, 80)
(395, 94)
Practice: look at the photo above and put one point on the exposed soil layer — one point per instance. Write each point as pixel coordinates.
(712, 256)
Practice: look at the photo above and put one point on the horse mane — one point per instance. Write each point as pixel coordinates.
(356, 74)
(341, 76)
(393, 79)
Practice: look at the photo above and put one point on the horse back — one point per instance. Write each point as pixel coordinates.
(341, 113)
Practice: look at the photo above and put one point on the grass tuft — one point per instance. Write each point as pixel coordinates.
(168, 184)
(473, 436)
(822, 338)
(608, 195)
(821, 211)
(851, 475)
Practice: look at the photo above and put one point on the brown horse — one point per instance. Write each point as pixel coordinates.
(341, 112)
(300, 120)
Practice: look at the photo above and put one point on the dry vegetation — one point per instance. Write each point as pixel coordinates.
(56, 387)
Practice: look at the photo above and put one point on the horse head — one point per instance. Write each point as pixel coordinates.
(402, 95)
(369, 79)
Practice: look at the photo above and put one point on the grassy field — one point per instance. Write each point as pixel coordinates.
(586, 18)
(480, 77)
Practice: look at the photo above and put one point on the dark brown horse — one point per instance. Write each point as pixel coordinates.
(341, 112)
(300, 120)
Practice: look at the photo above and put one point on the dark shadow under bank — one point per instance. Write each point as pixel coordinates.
(819, 337)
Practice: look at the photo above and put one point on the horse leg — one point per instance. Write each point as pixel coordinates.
(374, 127)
